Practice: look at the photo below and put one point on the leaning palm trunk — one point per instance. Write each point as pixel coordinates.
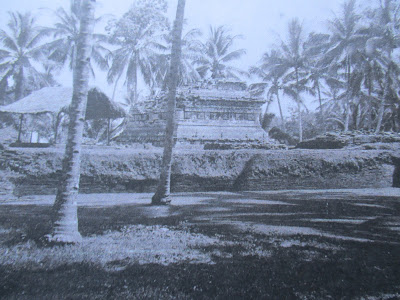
(163, 190)
(280, 110)
(321, 110)
(65, 219)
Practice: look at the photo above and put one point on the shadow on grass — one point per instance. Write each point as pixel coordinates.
(337, 213)
(313, 246)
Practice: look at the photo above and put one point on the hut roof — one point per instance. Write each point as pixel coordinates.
(56, 99)
(99, 106)
(45, 100)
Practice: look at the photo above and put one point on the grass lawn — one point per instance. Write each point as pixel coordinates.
(331, 244)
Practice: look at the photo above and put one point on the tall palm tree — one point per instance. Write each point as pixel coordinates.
(162, 195)
(188, 73)
(371, 72)
(384, 38)
(21, 46)
(271, 71)
(63, 49)
(294, 62)
(138, 37)
(65, 219)
(218, 54)
(315, 47)
(345, 43)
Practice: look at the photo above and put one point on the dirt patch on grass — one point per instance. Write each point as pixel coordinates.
(114, 250)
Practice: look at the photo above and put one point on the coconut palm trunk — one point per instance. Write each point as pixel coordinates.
(300, 123)
(132, 88)
(381, 110)
(19, 84)
(348, 100)
(280, 110)
(386, 92)
(321, 110)
(299, 106)
(162, 195)
(65, 219)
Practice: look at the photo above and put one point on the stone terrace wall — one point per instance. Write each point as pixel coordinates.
(36, 171)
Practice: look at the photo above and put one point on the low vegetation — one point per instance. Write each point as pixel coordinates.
(304, 245)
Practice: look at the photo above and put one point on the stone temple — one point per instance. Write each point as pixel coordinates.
(224, 112)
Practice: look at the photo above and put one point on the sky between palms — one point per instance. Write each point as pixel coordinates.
(261, 22)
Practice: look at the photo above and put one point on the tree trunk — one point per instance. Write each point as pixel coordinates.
(347, 117)
(321, 110)
(135, 79)
(65, 219)
(299, 106)
(347, 109)
(115, 86)
(162, 195)
(369, 111)
(300, 123)
(21, 120)
(132, 88)
(386, 92)
(280, 110)
(57, 123)
(358, 116)
(320, 100)
(381, 110)
(3, 88)
(19, 85)
(108, 131)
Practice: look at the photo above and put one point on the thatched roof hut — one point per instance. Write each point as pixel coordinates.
(45, 100)
(99, 106)
(56, 100)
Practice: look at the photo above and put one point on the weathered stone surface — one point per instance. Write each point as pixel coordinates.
(36, 171)
(353, 139)
(205, 113)
(328, 141)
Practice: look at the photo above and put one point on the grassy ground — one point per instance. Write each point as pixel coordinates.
(249, 245)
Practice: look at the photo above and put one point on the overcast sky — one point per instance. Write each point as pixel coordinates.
(261, 22)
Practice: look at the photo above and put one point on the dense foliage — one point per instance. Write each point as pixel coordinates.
(351, 69)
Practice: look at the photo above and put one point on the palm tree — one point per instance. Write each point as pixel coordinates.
(191, 49)
(343, 52)
(21, 47)
(271, 70)
(217, 54)
(383, 40)
(294, 62)
(65, 219)
(371, 72)
(315, 47)
(162, 195)
(66, 34)
(139, 37)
